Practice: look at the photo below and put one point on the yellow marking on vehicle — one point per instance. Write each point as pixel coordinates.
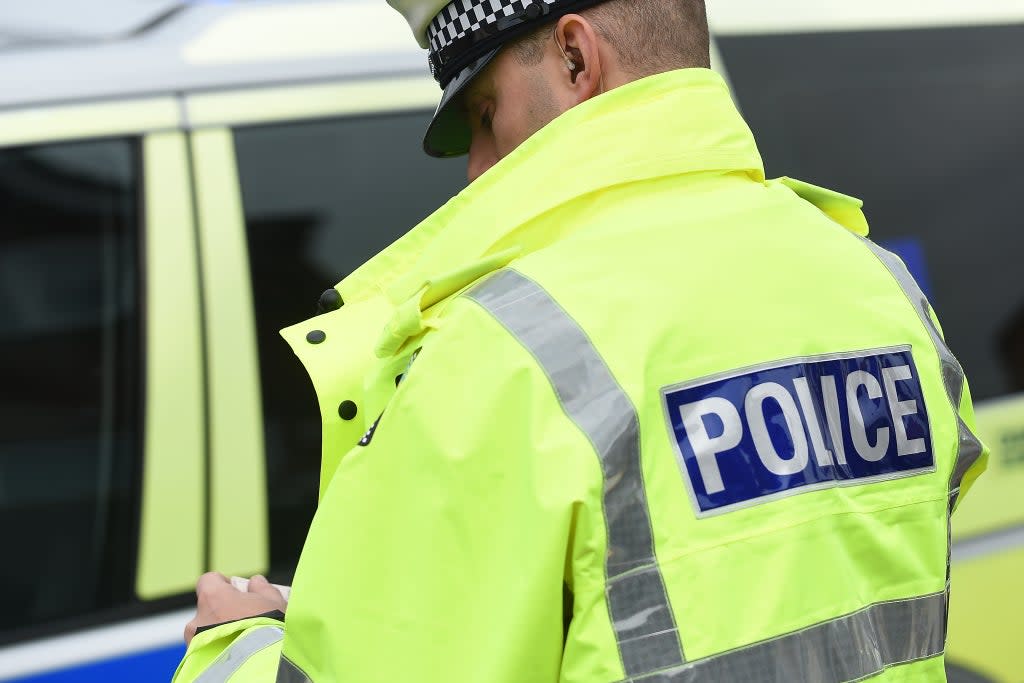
(238, 491)
(994, 501)
(173, 516)
(74, 121)
(985, 604)
(311, 101)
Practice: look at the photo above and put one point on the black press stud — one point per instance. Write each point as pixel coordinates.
(347, 410)
(316, 337)
(329, 301)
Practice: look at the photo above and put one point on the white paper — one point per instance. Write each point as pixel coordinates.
(243, 585)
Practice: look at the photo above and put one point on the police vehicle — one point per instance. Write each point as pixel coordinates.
(180, 180)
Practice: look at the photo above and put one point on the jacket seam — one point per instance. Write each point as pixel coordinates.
(787, 527)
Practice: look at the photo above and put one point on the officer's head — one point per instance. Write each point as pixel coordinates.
(509, 67)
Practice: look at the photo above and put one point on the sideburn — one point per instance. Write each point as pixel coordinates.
(543, 107)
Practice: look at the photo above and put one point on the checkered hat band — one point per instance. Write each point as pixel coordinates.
(462, 17)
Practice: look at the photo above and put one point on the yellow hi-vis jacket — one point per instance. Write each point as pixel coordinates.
(697, 409)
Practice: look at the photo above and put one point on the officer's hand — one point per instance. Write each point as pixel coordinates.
(218, 601)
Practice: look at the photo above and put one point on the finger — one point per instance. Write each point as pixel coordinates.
(210, 581)
(259, 580)
(259, 585)
(190, 632)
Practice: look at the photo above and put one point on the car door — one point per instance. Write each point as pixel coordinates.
(102, 453)
(296, 186)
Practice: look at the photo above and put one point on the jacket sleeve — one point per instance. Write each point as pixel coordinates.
(978, 461)
(976, 468)
(247, 651)
(439, 551)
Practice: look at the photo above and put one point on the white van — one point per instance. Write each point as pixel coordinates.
(180, 180)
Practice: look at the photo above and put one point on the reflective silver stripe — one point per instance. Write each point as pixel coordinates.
(644, 625)
(848, 648)
(232, 659)
(970, 448)
(287, 672)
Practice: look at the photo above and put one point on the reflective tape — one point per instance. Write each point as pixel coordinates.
(970, 447)
(232, 659)
(645, 628)
(287, 672)
(848, 648)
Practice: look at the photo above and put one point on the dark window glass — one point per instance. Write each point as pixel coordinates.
(927, 127)
(70, 392)
(320, 199)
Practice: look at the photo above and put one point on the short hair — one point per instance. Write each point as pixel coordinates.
(650, 36)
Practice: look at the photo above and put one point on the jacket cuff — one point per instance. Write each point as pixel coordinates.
(276, 614)
(208, 645)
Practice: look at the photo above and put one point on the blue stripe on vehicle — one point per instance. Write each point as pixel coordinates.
(151, 665)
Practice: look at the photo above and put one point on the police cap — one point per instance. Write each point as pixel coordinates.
(462, 37)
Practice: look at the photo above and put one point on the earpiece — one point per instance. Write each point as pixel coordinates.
(571, 65)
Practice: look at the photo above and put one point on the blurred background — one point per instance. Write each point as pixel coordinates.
(181, 180)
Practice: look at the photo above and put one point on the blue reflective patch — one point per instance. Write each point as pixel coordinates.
(153, 665)
(799, 425)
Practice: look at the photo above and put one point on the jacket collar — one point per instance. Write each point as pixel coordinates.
(683, 121)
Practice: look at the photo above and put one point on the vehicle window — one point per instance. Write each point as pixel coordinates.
(70, 409)
(931, 139)
(320, 198)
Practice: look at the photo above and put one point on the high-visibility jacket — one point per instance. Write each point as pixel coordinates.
(626, 411)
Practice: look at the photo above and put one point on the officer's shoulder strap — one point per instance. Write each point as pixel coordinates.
(841, 208)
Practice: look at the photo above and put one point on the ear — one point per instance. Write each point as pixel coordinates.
(577, 37)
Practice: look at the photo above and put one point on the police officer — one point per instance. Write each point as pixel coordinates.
(658, 418)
